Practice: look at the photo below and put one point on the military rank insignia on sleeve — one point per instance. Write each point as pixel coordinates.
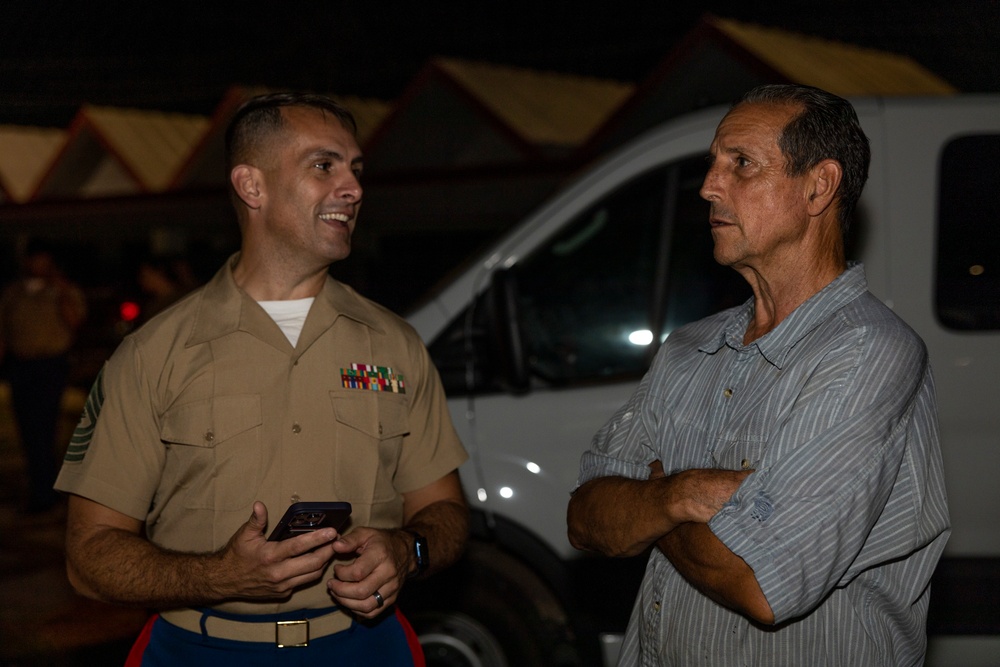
(80, 440)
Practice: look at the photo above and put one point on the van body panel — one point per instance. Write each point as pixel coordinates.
(511, 486)
(965, 364)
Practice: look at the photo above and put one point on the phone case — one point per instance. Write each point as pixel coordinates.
(302, 518)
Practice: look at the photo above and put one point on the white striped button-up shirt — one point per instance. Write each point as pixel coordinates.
(845, 516)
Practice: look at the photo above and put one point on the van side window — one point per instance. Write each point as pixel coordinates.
(595, 300)
(587, 294)
(967, 283)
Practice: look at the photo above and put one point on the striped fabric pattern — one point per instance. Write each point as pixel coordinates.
(845, 517)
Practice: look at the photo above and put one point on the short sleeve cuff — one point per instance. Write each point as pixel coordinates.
(735, 526)
(593, 466)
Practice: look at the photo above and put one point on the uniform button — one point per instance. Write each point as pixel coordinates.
(727, 392)
(380, 428)
(294, 499)
(296, 428)
(656, 606)
(209, 436)
(745, 463)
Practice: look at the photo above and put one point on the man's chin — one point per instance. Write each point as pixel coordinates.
(339, 254)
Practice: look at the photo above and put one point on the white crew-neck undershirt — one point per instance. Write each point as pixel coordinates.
(289, 315)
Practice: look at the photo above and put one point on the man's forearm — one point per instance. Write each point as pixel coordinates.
(702, 559)
(618, 517)
(445, 525)
(621, 517)
(120, 567)
(108, 559)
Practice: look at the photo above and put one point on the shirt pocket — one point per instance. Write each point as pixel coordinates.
(214, 452)
(741, 443)
(370, 431)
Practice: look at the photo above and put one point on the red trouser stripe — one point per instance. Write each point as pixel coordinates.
(139, 647)
(411, 638)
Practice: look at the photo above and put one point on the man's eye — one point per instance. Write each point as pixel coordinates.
(742, 162)
(325, 166)
(357, 173)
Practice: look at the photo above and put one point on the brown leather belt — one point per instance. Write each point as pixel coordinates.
(284, 634)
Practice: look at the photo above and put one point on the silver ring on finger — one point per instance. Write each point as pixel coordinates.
(379, 600)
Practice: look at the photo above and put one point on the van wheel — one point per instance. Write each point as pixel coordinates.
(489, 610)
(456, 640)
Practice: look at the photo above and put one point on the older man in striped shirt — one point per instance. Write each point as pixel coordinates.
(781, 457)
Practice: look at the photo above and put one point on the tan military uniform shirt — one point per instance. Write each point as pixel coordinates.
(208, 408)
(31, 319)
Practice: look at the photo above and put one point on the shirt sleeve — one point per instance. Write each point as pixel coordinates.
(621, 448)
(633, 437)
(432, 448)
(838, 488)
(115, 456)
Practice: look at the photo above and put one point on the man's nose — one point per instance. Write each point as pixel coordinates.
(710, 187)
(707, 190)
(350, 188)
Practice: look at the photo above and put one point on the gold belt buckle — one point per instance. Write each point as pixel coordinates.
(291, 634)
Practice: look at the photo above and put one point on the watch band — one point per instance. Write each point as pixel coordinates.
(420, 552)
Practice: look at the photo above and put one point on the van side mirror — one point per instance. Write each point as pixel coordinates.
(505, 339)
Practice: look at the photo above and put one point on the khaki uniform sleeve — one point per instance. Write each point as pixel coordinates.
(115, 455)
(432, 448)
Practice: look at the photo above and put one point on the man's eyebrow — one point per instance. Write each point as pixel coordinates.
(735, 148)
(328, 154)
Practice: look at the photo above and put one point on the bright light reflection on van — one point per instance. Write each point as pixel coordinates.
(506, 492)
(533, 467)
(481, 494)
(641, 337)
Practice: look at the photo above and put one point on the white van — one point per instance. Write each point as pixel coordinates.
(548, 333)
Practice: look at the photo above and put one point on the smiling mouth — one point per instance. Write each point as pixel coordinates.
(335, 217)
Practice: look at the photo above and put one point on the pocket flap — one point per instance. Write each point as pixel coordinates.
(211, 421)
(378, 414)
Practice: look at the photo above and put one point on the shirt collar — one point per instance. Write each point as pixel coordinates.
(225, 308)
(775, 345)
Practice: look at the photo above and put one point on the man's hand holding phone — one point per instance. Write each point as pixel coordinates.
(255, 567)
(308, 517)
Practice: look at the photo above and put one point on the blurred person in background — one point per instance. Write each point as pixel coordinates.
(163, 280)
(40, 314)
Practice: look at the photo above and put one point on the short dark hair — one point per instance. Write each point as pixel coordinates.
(260, 116)
(826, 128)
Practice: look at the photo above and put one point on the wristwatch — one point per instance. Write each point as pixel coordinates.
(420, 552)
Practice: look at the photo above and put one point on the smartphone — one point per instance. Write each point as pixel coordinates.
(306, 517)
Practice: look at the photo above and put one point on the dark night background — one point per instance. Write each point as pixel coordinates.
(181, 56)
(174, 55)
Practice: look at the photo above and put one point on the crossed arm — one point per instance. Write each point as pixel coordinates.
(622, 517)
(109, 559)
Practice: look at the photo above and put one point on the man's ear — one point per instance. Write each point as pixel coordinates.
(825, 182)
(248, 184)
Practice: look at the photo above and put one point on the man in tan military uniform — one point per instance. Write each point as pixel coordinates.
(40, 315)
(272, 384)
